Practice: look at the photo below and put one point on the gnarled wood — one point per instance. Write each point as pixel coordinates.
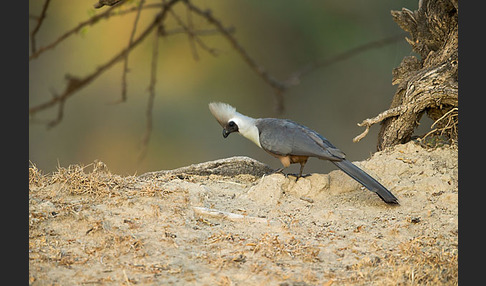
(428, 84)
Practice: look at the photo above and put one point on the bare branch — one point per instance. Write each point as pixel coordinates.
(125, 62)
(294, 78)
(193, 38)
(201, 32)
(75, 84)
(150, 102)
(278, 86)
(377, 119)
(102, 3)
(93, 20)
(60, 114)
(190, 35)
(425, 99)
(40, 20)
(73, 31)
(135, 9)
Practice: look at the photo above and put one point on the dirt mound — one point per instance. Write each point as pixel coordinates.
(209, 224)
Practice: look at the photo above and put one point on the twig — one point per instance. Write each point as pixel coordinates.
(377, 119)
(73, 31)
(106, 14)
(135, 9)
(190, 34)
(60, 114)
(202, 32)
(125, 60)
(150, 103)
(40, 20)
(419, 104)
(278, 86)
(294, 78)
(260, 70)
(102, 3)
(75, 84)
(193, 38)
(213, 213)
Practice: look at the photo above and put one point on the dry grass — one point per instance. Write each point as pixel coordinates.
(89, 226)
(98, 182)
(269, 246)
(36, 178)
(430, 263)
(420, 261)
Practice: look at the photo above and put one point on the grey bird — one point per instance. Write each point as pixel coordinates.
(291, 142)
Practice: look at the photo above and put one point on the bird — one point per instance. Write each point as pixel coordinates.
(291, 142)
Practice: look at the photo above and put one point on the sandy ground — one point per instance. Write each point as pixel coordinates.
(226, 223)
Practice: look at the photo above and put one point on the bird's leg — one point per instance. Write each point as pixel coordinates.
(298, 176)
(280, 170)
(302, 164)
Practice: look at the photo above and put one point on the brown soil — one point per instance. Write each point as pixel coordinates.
(207, 224)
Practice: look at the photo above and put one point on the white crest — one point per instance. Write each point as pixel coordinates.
(246, 125)
(223, 112)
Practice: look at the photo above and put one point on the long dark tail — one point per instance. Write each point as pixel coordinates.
(366, 180)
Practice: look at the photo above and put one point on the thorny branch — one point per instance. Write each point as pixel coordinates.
(75, 84)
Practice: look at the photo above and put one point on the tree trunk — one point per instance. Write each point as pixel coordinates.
(428, 84)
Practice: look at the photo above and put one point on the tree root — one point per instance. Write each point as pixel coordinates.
(429, 85)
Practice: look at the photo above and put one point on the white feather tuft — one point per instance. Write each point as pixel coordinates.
(223, 112)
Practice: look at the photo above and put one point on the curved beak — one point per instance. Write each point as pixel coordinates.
(225, 133)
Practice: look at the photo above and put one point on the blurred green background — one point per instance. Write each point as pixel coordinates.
(282, 36)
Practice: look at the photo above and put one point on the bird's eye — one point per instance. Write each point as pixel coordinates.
(231, 124)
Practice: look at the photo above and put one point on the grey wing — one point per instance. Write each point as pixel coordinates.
(274, 137)
(285, 137)
(330, 150)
